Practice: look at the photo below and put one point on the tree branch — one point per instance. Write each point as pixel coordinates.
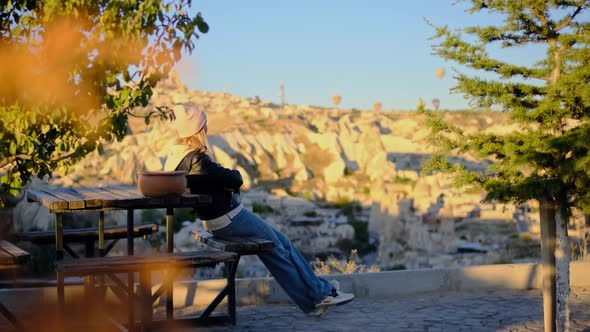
(65, 156)
(569, 19)
(455, 48)
(12, 159)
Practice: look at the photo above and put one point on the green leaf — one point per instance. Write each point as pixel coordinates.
(12, 149)
(201, 24)
(124, 94)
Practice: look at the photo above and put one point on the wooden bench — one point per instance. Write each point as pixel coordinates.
(239, 245)
(171, 264)
(11, 258)
(88, 236)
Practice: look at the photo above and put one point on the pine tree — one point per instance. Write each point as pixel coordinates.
(548, 158)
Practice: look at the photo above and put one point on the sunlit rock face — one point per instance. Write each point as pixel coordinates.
(312, 154)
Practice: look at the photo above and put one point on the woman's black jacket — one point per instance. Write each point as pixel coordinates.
(204, 176)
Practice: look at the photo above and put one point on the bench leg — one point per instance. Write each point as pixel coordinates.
(59, 237)
(108, 248)
(229, 290)
(130, 301)
(169, 286)
(130, 232)
(11, 318)
(70, 251)
(89, 289)
(145, 289)
(169, 229)
(61, 301)
(89, 248)
(101, 234)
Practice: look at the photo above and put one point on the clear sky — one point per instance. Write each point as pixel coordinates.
(365, 51)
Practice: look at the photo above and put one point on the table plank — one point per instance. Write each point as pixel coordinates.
(130, 189)
(46, 199)
(121, 198)
(95, 193)
(116, 197)
(157, 201)
(75, 202)
(162, 200)
(89, 201)
(125, 191)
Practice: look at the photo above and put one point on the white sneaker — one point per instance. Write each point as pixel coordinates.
(336, 297)
(318, 312)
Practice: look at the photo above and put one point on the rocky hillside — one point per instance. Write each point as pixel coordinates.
(311, 152)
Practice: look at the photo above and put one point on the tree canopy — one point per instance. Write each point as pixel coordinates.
(549, 100)
(74, 71)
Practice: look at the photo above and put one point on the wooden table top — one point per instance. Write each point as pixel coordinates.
(109, 198)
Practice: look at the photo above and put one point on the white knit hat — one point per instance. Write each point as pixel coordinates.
(189, 120)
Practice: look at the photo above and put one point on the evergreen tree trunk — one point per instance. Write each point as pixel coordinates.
(548, 229)
(562, 277)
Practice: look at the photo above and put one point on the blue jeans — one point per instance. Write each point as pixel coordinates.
(284, 261)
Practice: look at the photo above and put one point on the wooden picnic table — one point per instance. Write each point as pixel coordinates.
(71, 200)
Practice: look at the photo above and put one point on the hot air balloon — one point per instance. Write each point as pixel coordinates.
(420, 103)
(440, 72)
(435, 103)
(377, 106)
(336, 99)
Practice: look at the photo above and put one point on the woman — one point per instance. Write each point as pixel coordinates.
(226, 216)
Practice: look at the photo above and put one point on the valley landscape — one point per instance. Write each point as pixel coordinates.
(335, 181)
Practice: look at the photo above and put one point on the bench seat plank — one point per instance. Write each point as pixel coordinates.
(118, 264)
(262, 243)
(241, 245)
(84, 234)
(246, 244)
(11, 254)
(216, 243)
